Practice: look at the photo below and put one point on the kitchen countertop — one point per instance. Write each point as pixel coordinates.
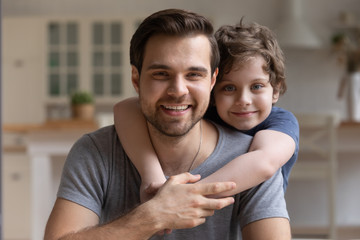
(52, 125)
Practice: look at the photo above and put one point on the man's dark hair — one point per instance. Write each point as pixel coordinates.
(172, 22)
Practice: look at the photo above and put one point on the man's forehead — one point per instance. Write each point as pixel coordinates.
(162, 50)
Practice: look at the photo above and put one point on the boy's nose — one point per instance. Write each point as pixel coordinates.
(178, 87)
(243, 99)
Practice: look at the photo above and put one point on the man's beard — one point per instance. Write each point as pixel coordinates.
(173, 128)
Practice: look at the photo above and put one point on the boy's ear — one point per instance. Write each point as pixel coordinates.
(276, 96)
(135, 78)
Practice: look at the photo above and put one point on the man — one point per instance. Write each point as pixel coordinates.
(174, 60)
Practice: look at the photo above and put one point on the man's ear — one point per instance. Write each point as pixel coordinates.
(213, 78)
(135, 78)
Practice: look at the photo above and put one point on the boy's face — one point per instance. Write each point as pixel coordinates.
(175, 82)
(244, 97)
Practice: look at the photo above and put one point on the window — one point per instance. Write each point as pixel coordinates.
(107, 58)
(85, 55)
(63, 58)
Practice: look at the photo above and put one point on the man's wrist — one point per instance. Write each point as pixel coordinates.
(141, 222)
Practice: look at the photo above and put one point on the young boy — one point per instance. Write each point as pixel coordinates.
(250, 81)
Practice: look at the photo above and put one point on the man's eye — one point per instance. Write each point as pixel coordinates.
(194, 75)
(229, 88)
(160, 75)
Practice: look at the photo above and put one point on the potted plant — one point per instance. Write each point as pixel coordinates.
(82, 105)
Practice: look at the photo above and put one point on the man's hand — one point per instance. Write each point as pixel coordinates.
(176, 205)
(180, 205)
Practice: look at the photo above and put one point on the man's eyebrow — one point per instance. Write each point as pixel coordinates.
(158, 66)
(162, 66)
(198, 69)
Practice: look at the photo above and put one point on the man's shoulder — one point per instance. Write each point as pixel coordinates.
(231, 133)
(232, 140)
(107, 131)
(104, 137)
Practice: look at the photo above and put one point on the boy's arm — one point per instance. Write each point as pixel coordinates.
(268, 152)
(268, 228)
(131, 128)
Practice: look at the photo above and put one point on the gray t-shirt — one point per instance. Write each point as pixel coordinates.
(99, 176)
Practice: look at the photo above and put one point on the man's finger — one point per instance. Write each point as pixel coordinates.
(216, 204)
(215, 188)
(184, 178)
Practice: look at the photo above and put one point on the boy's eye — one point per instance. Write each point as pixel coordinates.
(229, 88)
(257, 86)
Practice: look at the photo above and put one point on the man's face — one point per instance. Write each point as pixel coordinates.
(175, 83)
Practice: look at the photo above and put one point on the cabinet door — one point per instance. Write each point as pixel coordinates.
(23, 75)
(16, 196)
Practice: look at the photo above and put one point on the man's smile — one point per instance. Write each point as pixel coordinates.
(178, 108)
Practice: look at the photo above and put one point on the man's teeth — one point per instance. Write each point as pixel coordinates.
(176, 108)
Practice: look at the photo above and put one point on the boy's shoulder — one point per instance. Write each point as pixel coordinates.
(280, 114)
(279, 119)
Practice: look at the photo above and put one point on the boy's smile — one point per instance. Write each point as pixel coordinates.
(244, 96)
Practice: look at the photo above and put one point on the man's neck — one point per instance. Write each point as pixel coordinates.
(179, 154)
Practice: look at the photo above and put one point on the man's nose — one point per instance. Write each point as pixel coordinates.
(178, 87)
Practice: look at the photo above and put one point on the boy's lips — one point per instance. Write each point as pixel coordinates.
(244, 113)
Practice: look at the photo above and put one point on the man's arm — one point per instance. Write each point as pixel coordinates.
(267, 229)
(69, 220)
(177, 205)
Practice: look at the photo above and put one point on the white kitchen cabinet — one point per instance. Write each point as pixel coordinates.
(16, 196)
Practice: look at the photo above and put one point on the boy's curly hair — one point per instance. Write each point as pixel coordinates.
(237, 43)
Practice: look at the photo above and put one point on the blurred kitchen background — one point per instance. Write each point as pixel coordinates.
(51, 49)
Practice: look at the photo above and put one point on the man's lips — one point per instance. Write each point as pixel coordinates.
(176, 108)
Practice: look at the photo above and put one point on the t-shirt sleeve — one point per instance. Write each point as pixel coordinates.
(263, 201)
(283, 121)
(84, 176)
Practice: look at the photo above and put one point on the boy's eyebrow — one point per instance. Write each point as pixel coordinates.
(261, 79)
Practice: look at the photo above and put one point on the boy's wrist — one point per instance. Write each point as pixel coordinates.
(149, 179)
